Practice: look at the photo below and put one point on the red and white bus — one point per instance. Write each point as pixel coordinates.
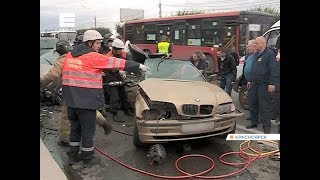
(205, 32)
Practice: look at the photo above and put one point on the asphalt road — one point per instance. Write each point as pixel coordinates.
(119, 145)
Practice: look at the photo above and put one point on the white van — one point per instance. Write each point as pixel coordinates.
(272, 34)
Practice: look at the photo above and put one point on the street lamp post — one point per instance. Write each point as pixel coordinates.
(95, 16)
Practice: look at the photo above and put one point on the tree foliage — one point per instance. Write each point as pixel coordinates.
(119, 29)
(102, 30)
(270, 10)
(185, 11)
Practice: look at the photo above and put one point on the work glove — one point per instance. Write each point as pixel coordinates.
(143, 67)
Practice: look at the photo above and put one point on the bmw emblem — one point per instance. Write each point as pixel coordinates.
(197, 100)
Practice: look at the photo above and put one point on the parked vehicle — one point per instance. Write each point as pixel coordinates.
(47, 44)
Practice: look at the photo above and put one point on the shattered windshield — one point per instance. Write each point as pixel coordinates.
(172, 69)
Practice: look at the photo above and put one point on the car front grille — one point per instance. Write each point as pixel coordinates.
(206, 109)
(189, 109)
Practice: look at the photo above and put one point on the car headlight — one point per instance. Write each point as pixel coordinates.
(226, 108)
(151, 114)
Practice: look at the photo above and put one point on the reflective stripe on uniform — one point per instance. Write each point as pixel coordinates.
(117, 64)
(110, 62)
(81, 74)
(87, 149)
(113, 63)
(82, 82)
(74, 143)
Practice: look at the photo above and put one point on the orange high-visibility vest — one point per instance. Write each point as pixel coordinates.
(123, 54)
(86, 70)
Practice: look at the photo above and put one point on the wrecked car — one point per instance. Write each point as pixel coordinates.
(175, 102)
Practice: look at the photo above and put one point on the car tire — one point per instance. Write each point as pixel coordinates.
(243, 97)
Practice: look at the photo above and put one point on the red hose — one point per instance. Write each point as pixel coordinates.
(198, 175)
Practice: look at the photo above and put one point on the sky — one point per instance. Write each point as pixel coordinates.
(107, 12)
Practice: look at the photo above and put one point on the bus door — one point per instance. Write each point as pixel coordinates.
(165, 29)
(229, 35)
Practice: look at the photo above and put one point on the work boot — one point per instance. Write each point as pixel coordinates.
(74, 159)
(275, 122)
(266, 131)
(116, 119)
(95, 160)
(250, 126)
(107, 128)
(128, 112)
(62, 143)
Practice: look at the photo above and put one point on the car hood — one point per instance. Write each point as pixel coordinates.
(44, 69)
(184, 92)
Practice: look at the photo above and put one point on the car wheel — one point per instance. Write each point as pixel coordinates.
(243, 97)
(136, 139)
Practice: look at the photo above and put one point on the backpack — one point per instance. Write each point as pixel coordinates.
(235, 56)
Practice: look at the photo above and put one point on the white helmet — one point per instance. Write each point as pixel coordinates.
(91, 35)
(117, 43)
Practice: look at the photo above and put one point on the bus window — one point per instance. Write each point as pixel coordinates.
(194, 33)
(179, 32)
(150, 31)
(139, 33)
(165, 29)
(211, 35)
(229, 37)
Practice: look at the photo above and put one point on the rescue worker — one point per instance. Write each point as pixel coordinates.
(54, 75)
(117, 94)
(78, 40)
(106, 44)
(262, 84)
(164, 46)
(82, 92)
(227, 69)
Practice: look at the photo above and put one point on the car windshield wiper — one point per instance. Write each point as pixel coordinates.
(159, 64)
(48, 61)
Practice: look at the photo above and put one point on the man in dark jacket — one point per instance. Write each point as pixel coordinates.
(106, 44)
(262, 84)
(227, 69)
(82, 92)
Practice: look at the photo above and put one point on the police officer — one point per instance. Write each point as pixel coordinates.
(54, 75)
(164, 46)
(106, 44)
(83, 95)
(117, 94)
(262, 84)
(227, 69)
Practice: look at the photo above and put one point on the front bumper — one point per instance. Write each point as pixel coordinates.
(160, 131)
